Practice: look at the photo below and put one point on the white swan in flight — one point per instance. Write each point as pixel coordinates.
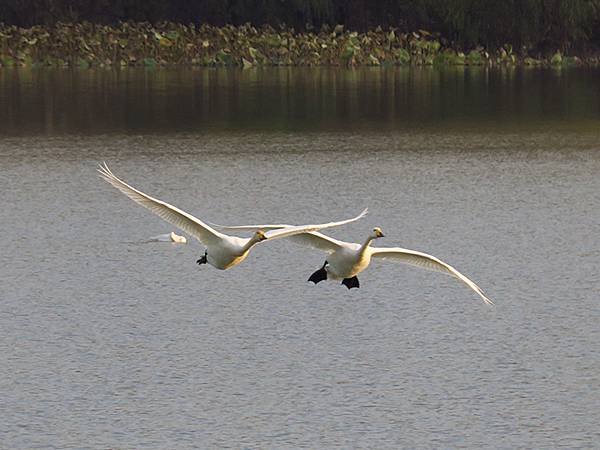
(222, 251)
(346, 259)
(169, 237)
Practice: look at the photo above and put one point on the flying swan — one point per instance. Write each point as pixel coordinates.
(169, 237)
(347, 259)
(222, 251)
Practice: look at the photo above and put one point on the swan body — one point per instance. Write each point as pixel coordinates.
(345, 260)
(231, 251)
(169, 237)
(222, 251)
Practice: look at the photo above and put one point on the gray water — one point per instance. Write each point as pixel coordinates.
(109, 342)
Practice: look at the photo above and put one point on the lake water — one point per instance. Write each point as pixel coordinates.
(109, 342)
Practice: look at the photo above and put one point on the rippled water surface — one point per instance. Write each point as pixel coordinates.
(109, 342)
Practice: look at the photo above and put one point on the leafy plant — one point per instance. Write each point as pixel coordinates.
(144, 44)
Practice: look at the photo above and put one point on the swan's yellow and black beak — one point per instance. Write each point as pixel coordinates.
(378, 232)
(260, 236)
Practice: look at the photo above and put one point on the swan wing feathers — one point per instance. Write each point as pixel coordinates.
(318, 241)
(314, 240)
(248, 228)
(303, 229)
(428, 262)
(292, 229)
(164, 210)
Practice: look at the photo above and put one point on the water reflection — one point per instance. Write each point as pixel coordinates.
(97, 101)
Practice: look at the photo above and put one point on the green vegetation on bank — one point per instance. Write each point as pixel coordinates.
(143, 44)
(527, 25)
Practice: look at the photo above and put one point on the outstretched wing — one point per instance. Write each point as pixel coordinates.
(247, 228)
(312, 239)
(305, 235)
(425, 261)
(294, 230)
(164, 210)
(318, 241)
(269, 227)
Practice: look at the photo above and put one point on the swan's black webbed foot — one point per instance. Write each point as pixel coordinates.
(351, 282)
(203, 260)
(319, 275)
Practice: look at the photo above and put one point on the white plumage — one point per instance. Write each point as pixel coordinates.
(345, 260)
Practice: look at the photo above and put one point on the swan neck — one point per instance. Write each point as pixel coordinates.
(364, 247)
(249, 244)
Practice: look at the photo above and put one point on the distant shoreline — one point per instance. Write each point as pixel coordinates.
(128, 44)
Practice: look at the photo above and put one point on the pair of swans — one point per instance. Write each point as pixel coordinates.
(345, 260)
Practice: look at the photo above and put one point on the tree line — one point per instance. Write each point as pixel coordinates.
(539, 25)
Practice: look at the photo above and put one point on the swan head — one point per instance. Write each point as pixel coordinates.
(377, 233)
(259, 236)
